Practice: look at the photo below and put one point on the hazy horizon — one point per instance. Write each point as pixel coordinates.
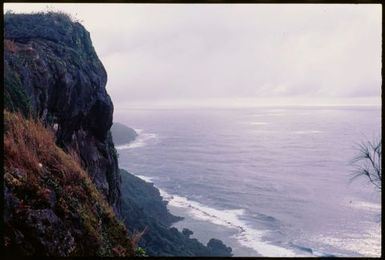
(266, 181)
(237, 55)
(234, 130)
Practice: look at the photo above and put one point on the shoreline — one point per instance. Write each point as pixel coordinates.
(240, 237)
(292, 228)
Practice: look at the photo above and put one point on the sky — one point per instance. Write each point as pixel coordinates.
(233, 55)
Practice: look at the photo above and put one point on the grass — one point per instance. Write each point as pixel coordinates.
(10, 45)
(35, 169)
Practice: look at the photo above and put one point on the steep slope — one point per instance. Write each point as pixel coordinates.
(144, 209)
(52, 71)
(147, 197)
(61, 168)
(51, 207)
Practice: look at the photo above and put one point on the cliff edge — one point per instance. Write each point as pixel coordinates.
(62, 192)
(52, 71)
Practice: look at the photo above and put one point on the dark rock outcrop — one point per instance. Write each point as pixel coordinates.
(218, 248)
(52, 206)
(51, 70)
(122, 134)
(187, 232)
(144, 209)
(147, 197)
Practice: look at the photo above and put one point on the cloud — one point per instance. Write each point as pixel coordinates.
(158, 52)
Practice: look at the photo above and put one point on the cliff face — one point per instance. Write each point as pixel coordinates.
(52, 71)
(51, 206)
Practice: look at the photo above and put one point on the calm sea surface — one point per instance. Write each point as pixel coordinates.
(266, 181)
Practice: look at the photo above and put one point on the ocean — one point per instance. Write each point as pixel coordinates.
(267, 181)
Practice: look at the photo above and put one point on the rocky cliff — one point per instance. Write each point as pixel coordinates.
(51, 70)
(60, 163)
(51, 206)
(144, 209)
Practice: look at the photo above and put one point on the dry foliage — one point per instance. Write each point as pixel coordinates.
(10, 45)
(136, 236)
(35, 168)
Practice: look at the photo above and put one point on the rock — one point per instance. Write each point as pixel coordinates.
(49, 232)
(144, 208)
(38, 232)
(187, 232)
(217, 248)
(52, 70)
(145, 195)
(122, 134)
(10, 202)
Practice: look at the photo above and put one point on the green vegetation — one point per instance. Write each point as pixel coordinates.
(140, 252)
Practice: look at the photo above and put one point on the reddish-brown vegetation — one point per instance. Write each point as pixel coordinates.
(10, 45)
(41, 176)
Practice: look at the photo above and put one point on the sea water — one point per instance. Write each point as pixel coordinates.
(269, 181)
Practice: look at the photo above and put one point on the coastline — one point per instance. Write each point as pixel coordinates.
(205, 224)
(224, 224)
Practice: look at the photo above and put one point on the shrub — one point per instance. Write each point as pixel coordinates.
(41, 175)
(10, 45)
(140, 252)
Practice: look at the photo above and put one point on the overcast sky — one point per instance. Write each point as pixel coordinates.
(231, 54)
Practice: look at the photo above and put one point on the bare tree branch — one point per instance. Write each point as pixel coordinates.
(368, 162)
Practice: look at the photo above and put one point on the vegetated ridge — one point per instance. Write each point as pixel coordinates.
(52, 71)
(51, 205)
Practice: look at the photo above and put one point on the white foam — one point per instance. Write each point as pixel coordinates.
(268, 114)
(275, 114)
(228, 218)
(141, 140)
(246, 235)
(367, 243)
(129, 145)
(277, 110)
(138, 130)
(258, 123)
(146, 178)
(365, 205)
(252, 238)
(307, 132)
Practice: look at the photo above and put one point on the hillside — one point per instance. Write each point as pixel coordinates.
(51, 206)
(52, 71)
(144, 209)
(63, 191)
